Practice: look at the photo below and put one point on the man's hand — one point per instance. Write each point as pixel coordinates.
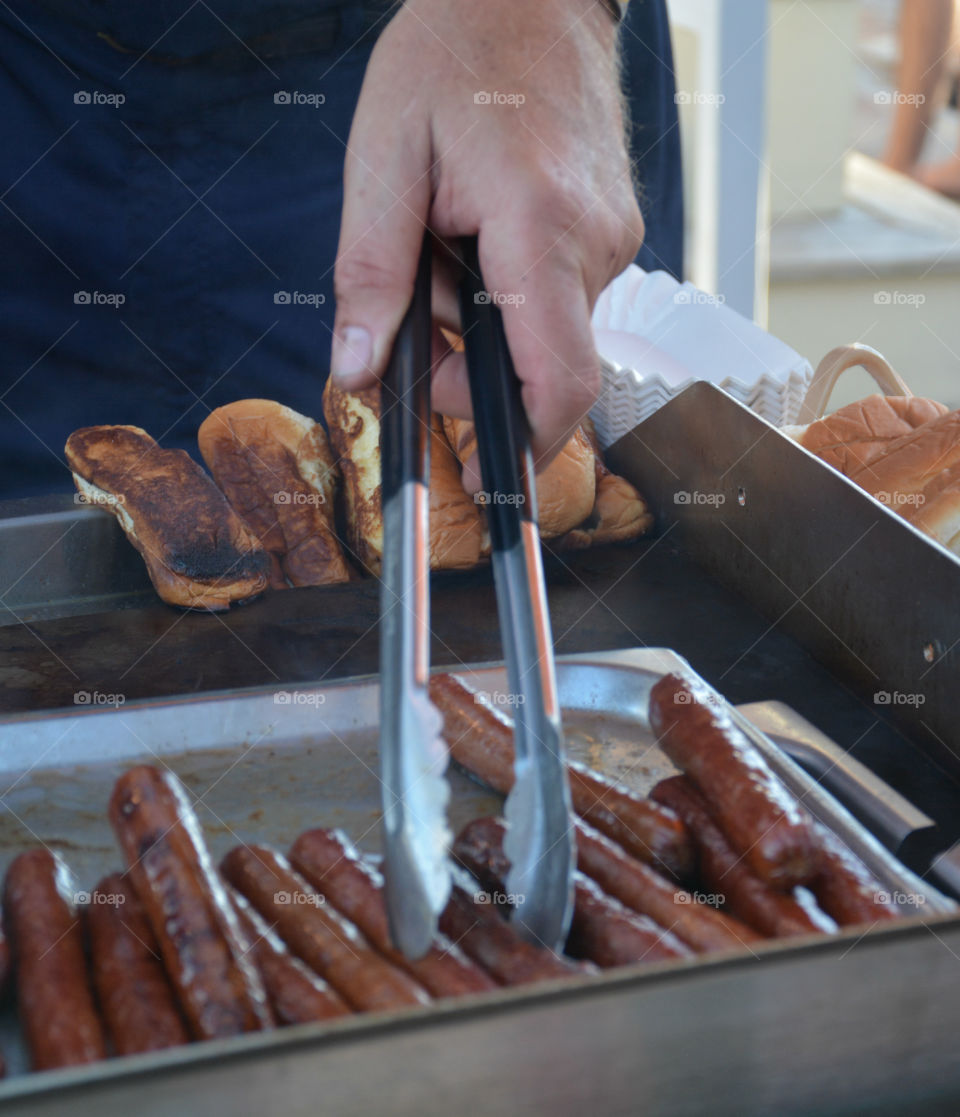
(501, 119)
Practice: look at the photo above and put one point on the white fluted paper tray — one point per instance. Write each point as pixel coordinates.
(658, 336)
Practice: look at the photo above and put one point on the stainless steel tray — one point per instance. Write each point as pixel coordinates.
(265, 764)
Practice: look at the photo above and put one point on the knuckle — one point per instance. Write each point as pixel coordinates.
(359, 270)
(621, 234)
(610, 247)
(553, 197)
(604, 230)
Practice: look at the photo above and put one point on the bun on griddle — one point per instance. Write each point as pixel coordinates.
(353, 420)
(277, 471)
(456, 525)
(198, 552)
(566, 489)
(458, 534)
(619, 513)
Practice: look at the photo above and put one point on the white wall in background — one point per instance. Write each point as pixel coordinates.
(811, 101)
(721, 52)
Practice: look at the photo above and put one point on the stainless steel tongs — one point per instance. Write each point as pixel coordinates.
(539, 840)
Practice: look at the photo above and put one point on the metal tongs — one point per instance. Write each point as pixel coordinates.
(539, 841)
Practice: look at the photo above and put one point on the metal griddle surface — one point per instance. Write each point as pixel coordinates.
(651, 593)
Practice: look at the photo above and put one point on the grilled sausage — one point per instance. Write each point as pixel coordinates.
(602, 930)
(203, 948)
(762, 821)
(297, 994)
(481, 740)
(723, 872)
(328, 861)
(54, 998)
(644, 890)
(610, 934)
(135, 995)
(845, 887)
(492, 943)
(326, 941)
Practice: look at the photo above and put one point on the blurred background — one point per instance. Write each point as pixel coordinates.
(812, 132)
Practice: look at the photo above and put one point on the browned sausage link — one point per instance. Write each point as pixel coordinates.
(641, 888)
(761, 819)
(479, 849)
(603, 930)
(492, 943)
(330, 863)
(297, 994)
(610, 934)
(54, 999)
(323, 938)
(203, 948)
(646, 830)
(134, 992)
(481, 740)
(725, 873)
(845, 888)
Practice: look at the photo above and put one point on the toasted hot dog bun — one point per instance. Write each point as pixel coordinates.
(198, 552)
(619, 512)
(353, 420)
(456, 525)
(566, 489)
(276, 469)
(458, 537)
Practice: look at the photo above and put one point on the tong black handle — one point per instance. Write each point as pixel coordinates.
(412, 756)
(405, 394)
(503, 432)
(539, 843)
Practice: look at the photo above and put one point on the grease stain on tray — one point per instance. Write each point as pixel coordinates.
(619, 748)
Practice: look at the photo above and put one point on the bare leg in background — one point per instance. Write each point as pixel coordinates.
(944, 175)
(925, 40)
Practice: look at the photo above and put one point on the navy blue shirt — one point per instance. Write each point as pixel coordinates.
(170, 202)
(649, 86)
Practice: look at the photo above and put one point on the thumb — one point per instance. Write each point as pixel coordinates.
(386, 201)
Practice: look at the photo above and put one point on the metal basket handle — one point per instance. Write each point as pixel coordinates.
(836, 362)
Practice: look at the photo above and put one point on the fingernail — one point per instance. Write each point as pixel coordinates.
(351, 353)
